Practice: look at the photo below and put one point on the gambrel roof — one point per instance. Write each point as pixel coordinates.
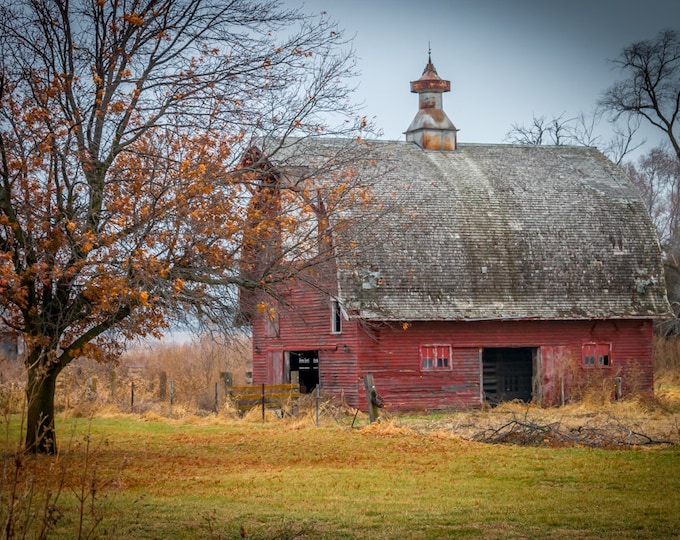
(499, 232)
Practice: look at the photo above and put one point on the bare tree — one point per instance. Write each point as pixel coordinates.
(580, 130)
(554, 131)
(657, 177)
(123, 194)
(652, 87)
(623, 140)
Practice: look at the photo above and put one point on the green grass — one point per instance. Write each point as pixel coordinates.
(293, 480)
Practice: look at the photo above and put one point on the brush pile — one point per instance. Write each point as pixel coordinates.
(600, 431)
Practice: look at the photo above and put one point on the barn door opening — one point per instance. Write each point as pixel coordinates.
(306, 365)
(507, 373)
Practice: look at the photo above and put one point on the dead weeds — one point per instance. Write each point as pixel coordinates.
(638, 421)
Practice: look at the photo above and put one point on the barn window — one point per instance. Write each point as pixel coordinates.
(336, 316)
(596, 354)
(435, 357)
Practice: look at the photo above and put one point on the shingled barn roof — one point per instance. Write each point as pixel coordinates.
(500, 232)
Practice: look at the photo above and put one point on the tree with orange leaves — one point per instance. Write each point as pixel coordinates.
(125, 204)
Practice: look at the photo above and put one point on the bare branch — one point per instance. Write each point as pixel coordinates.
(651, 90)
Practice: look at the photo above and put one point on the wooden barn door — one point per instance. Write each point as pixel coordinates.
(276, 367)
(508, 373)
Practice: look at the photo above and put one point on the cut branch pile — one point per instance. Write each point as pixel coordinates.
(611, 433)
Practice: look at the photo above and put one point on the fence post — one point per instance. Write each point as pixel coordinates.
(263, 403)
(132, 396)
(618, 387)
(317, 405)
(216, 405)
(162, 385)
(226, 378)
(372, 397)
(112, 385)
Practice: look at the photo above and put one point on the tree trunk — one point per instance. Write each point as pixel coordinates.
(40, 433)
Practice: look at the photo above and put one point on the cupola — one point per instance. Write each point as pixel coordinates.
(431, 129)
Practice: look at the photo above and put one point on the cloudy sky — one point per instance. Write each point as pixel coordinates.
(507, 60)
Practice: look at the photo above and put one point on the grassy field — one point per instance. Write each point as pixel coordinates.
(148, 477)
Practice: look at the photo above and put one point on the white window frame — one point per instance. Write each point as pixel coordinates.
(435, 360)
(337, 314)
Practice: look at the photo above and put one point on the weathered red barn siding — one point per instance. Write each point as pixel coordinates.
(391, 353)
(306, 326)
(394, 359)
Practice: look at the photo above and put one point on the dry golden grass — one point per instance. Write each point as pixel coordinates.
(254, 415)
(667, 388)
(387, 429)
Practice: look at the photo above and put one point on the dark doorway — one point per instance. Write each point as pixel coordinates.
(306, 364)
(507, 373)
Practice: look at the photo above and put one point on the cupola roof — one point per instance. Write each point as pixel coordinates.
(431, 129)
(430, 81)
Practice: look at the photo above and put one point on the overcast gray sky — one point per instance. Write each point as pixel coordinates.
(507, 60)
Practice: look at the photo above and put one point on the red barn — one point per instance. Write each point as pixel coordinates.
(479, 273)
